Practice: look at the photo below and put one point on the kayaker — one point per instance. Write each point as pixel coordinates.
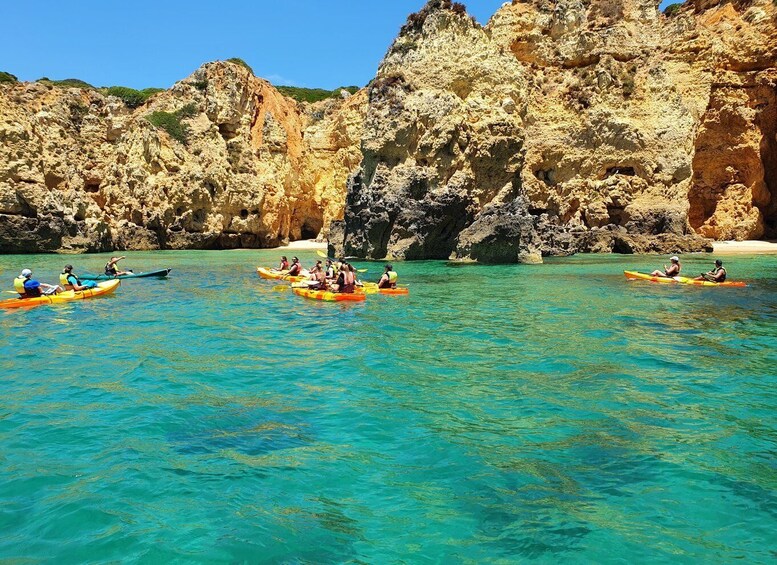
(717, 274)
(389, 278)
(295, 268)
(672, 271)
(316, 268)
(345, 281)
(112, 271)
(330, 269)
(320, 277)
(284, 265)
(354, 276)
(27, 287)
(68, 280)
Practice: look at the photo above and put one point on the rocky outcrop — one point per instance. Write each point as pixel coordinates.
(79, 171)
(568, 126)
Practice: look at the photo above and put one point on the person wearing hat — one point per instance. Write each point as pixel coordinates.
(672, 271)
(717, 274)
(27, 287)
(68, 280)
(389, 278)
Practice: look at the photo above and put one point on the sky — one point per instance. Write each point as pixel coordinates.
(310, 43)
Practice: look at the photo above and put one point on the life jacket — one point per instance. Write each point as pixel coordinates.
(679, 268)
(723, 278)
(391, 281)
(110, 270)
(65, 283)
(330, 272)
(294, 270)
(284, 266)
(18, 285)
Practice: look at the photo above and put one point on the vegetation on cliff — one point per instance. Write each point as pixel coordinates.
(7, 77)
(67, 83)
(132, 98)
(314, 94)
(672, 10)
(241, 62)
(172, 123)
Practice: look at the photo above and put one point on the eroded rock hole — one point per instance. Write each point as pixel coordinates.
(547, 176)
(627, 171)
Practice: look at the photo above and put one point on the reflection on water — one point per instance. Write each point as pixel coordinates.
(552, 412)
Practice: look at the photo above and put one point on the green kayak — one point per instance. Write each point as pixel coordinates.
(158, 274)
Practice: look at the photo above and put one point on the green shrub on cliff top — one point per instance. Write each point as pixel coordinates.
(7, 77)
(171, 122)
(313, 94)
(672, 10)
(241, 62)
(131, 97)
(67, 83)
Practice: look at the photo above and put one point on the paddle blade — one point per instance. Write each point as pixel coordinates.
(321, 254)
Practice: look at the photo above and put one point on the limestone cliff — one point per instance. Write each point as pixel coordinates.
(568, 125)
(79, 171)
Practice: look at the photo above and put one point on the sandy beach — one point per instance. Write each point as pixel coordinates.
(744, 247)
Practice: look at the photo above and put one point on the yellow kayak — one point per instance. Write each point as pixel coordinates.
(272, 274)
(634, 275)
(328, 296)
(101, 289)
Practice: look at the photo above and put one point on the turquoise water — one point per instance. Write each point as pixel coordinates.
(515, 413)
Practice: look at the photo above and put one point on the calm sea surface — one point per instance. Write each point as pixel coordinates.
(551, 413)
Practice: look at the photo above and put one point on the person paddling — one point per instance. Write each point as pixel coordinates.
(389, 278)
(112, 271)
(717, 274)
(672, 271)
(27, 287)
(68, 280)
(295, 269)
(284, 264)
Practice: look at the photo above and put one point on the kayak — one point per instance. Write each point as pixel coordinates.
(328, 296)
(158, 274)
(271, 274)
(103, 288)
(400, 291)
(634, 275)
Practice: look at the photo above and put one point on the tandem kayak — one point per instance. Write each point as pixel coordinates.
(158, 274)
(103, 288)
(634, 275)
(328, 296)
(272, 274)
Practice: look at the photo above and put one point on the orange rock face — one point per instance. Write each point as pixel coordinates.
(79, 171)
(568, 126)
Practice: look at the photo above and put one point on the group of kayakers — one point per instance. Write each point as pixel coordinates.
(27, 287)
(335, 276)
(716, 274)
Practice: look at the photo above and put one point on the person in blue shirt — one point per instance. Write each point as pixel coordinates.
(27, 287)
(68, 279)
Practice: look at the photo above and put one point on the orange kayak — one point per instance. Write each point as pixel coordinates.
(101, 289)
(328, 296)
(271, 274)
(634, 275)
